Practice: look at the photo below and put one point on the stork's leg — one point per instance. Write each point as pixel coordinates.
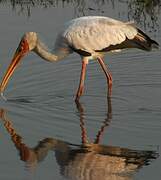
(82, 78)
(108, 75)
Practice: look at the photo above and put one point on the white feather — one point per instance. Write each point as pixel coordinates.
(96, 33)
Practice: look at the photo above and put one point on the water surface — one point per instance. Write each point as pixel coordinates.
(44, 134)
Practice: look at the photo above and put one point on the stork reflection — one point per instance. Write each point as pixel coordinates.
(84, 161)
(105, 123)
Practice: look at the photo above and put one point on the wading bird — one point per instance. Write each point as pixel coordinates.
(91, 37)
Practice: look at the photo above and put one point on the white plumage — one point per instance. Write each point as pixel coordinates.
(91, 37)
(96, 33)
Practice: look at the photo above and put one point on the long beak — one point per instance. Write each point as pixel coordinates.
(14, 63)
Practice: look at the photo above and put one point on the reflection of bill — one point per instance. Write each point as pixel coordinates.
(87, 161)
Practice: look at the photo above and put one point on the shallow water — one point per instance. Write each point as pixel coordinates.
(43, 131)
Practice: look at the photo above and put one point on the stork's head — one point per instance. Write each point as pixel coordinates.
(28, 43)
(31, 40)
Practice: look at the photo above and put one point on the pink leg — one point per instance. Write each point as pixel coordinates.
(108, 75)
(82, 78)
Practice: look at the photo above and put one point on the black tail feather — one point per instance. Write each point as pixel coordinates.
(144, 42)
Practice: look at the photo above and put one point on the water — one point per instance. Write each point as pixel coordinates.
(42, 129)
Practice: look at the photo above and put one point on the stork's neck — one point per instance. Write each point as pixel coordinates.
(46, 54)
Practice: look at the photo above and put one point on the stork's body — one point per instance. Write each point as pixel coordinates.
(91, 37)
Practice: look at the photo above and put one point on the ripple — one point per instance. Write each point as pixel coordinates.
(21, 100)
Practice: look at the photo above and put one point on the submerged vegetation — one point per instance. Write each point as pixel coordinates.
(144, 12)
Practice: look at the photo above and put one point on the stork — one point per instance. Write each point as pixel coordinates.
(91, 37)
